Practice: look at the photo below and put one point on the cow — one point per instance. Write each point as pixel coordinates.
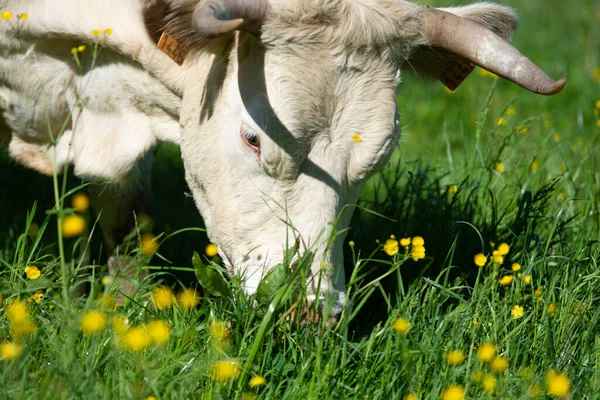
(266, 99)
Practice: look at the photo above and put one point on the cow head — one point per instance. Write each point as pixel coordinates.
(299, 106)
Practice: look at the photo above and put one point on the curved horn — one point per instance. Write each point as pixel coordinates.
(214, 18)
(486, 49)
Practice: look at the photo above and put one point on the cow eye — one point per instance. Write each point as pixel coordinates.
(250, 138)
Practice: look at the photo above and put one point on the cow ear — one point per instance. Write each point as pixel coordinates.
(431, 62)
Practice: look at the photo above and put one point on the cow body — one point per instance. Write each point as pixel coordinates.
(266, 117)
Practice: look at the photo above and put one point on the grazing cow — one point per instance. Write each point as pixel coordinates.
(265, 98)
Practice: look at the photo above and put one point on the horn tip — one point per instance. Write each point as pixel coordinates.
(559, 85)
(554, 88)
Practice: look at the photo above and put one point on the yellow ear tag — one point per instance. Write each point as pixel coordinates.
(170, 46)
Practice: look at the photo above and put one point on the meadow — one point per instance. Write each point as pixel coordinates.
(471, 260)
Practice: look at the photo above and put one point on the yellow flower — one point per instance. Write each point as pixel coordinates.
(159, 332)
(136, 339)
(556, 137)
(401, 325)
(96, 32)
(547, 124)
(18, 316)
(596, 75)
(454, 392)
(480, 260)
(32, 272)
(476, 376)
(151, 398)
(489, 383)
(410, 396)
(522, 130)
(211, 250)
(188, 299)
(558, 384)
(511, 111)
(257, 381)
(108, 31)
(552, 308)
(162, 297)
(506, 280)
(23, 16)
(455, 357)
(10, 350)
(34, 229)
(500, 122)
(452, 189)
(562, 196)
(499, 167)
(72, 225)
(486, 352)
(218, 331)
(598, 122)
(80, 201)
(503, 249)
(484, 72)
(497, 257)
(499, 364)
(119, 324)
(418, 241)
(516, 267)
(418, 253)
(598, 104)
(107, 280)
(36, 297)
(148, 244)
(17, 311)
(405, 242)
(527, 279)
(6, 15)
(224, 370)
(538, 293)
(527, 373)
(534, 391)
(93, 321)
(391, 247)
(106, 301)
(23, 328)
(357, 138)
(517, 311)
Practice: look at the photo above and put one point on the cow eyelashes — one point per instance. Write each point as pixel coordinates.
(250, 138)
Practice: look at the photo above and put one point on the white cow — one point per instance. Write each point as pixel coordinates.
(265, 106)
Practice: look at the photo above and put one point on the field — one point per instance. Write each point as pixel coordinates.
(489, 174)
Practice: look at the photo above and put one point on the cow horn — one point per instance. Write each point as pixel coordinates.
(214, 18)
(486, 49)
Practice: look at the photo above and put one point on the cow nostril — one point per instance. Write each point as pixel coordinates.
(258, 257)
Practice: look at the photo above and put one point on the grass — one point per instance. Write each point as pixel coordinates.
(445, 185)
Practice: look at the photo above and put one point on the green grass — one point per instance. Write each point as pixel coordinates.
(549, 216)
